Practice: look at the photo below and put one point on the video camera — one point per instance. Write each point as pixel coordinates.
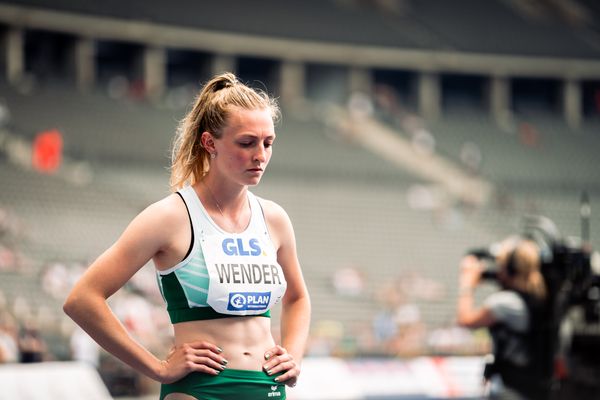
(566, 265)
(571, 270)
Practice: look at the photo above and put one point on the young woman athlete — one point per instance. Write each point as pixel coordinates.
(224, 258)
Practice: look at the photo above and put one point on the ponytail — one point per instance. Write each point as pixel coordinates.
(528, 277)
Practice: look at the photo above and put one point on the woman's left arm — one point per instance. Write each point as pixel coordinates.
(296, 307)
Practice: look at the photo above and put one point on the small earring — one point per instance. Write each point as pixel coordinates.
(213, 155)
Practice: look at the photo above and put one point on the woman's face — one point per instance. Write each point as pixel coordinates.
(244, 150)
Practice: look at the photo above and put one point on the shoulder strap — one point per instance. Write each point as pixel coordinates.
(195, 208)
(258, 216)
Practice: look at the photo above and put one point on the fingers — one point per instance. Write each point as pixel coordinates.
(204, 361)
(289, 378)
(274, 351)
(274, 357)
(283, 363)
(197, 356)
(201, 344)
(281, 366)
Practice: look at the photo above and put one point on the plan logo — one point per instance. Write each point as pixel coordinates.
(244, 301)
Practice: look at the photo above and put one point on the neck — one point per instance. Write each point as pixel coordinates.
(229, 206)
(229, 197)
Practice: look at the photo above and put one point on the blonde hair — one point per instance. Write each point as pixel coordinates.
(526, 261)
(214, 103)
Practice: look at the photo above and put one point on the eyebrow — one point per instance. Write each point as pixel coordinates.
(254, 136)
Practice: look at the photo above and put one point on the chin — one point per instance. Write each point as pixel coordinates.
(252, 181)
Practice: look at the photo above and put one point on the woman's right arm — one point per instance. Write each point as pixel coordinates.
(467, 314)
(147, 236)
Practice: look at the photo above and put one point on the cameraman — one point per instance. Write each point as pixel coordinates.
(514, 316)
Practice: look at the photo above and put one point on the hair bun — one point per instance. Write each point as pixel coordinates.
(227, 80)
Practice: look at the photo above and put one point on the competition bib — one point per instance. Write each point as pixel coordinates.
(245, 278)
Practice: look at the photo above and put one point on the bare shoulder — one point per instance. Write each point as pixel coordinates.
(169, 212)
(171, 206)
(274, 213)
(278, 223)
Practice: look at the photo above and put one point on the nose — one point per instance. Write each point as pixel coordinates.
(261, 154)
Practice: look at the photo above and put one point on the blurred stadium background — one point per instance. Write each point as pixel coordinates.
(412, 131)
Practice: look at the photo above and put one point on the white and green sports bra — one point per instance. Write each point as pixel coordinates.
(224, 274)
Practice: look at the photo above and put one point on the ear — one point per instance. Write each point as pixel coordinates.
(208, 141)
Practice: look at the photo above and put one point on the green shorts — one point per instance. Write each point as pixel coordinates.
(231, 384)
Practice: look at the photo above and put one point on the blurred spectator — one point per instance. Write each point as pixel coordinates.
(386, 103)
(348, 281)
(84, 348)
(452, 339)
(144, 282)
(137, 90)
(384, 326)
(325, 338)
(179, 97)
(9, 350)
(136, 313)
(425, 197)
(58, 278)
(529, 135)
(8, 259)
(417, 287)
(360, 105)
(21, 307)
(55, 280)
(11, 227)
(470, 156)
(398, 326)
(423, 141)
(32, 346)
(11, 236)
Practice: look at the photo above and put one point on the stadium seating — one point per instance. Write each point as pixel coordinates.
(349, 208)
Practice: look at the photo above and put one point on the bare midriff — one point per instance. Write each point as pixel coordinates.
(244, 340)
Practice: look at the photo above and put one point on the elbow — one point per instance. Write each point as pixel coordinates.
(70, 304)
(305, 302)
(301, 304)
(304, 299)
(465, 321)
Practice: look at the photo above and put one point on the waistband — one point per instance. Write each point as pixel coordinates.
(203, 313)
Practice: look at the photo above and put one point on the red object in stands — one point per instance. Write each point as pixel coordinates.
(47, 151)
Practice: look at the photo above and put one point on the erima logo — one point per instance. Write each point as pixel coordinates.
(242, 301)
(237, 247)
(274, 392)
